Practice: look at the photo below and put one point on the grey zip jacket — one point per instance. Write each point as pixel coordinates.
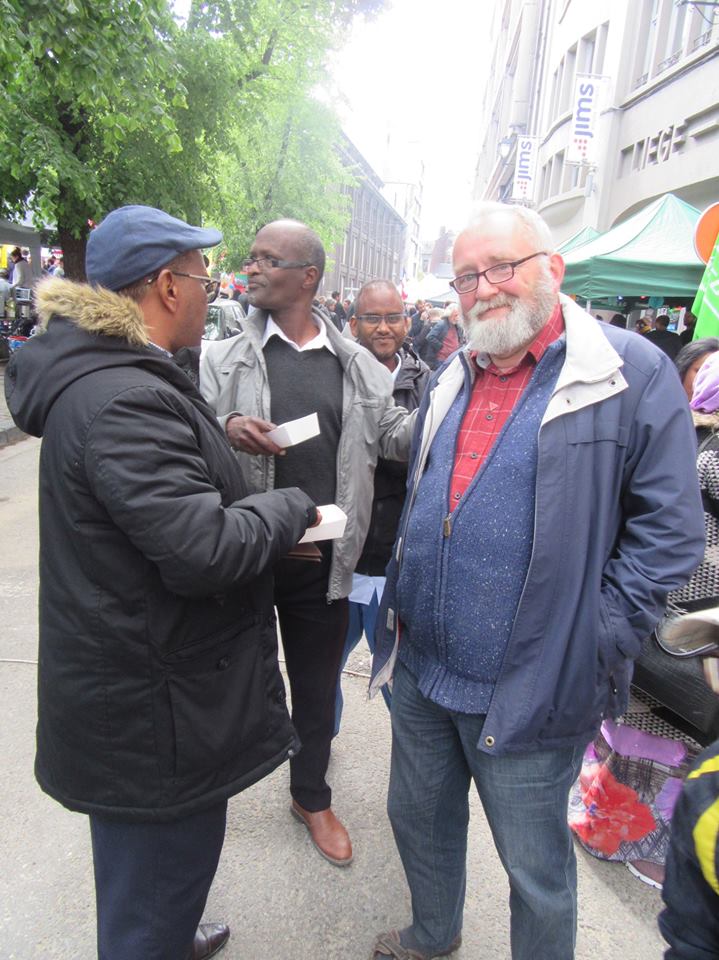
(233, 380)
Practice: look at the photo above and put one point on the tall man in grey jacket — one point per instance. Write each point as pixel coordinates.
(552, 504)
(290, 362)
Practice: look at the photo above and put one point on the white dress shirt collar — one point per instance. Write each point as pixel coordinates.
(316, 343)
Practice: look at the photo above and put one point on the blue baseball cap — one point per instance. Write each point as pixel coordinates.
(134, 241)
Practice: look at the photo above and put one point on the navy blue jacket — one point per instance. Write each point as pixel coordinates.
(618, 523)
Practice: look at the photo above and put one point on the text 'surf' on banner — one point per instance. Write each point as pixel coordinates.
(525, 169)
(582, 146)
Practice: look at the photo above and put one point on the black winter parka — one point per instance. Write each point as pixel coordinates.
(159, 692)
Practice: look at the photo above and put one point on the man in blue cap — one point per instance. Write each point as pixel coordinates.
(159, 692)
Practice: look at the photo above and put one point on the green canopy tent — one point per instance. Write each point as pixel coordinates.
(577, 239)
(650, 254)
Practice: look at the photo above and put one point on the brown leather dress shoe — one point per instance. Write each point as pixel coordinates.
(327, 833)
(209, 940)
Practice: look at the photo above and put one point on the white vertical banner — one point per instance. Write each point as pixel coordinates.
(525, 168)
(582, 147)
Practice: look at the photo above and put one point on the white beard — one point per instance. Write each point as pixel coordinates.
(504, 336)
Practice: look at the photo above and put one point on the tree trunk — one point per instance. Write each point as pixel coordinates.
(73, 252)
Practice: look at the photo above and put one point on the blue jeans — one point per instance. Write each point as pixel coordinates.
(524, 796)
(363, 619)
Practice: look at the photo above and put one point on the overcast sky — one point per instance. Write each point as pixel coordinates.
(418, 71)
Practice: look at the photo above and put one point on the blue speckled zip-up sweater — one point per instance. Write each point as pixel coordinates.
(458, 594)
(618, 522)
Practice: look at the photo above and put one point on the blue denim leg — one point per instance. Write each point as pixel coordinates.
(363, 619)
(369, 618)
(524, 797)
(434, 758)
(428, 806)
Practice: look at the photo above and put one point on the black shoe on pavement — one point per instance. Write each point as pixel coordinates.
(209, 940)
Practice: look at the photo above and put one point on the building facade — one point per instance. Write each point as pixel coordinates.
(403, 174)
(375, 239)
(655, 64)
(406, 198)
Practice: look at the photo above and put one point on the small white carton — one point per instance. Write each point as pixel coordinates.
(295, 431)
(332, 526)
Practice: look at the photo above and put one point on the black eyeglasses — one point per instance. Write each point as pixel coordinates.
(211, 286)
(499, 273)
(393, 319)
(262, 263)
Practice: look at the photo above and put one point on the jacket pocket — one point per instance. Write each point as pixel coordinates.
(364, 429)
(613, 666)
(218, 698)
(584, 428)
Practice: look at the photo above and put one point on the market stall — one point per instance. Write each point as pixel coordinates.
(649, 255)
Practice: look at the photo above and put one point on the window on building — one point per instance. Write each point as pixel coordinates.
(553, 97)
(557, 173)
(649, 26)
(570, 64)
(557, 92)
(587, 45)
(699, 31)
(571, 175)
(543, 179)
(601, 48)
(676, 35)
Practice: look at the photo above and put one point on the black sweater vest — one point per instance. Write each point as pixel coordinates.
(304, 382)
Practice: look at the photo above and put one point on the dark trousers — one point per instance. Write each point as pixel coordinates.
(152, 881)
(313, 636)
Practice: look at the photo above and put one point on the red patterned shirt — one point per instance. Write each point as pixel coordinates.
(494, 394)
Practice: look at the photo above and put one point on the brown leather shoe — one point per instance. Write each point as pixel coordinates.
(328, 835)
(209, 940)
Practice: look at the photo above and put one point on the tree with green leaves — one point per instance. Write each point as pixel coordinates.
(80, 80)
(116, 102)
(283, 161)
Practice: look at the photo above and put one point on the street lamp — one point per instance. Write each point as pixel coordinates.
(505, 146)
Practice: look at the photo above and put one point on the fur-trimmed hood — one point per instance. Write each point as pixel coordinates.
(94, 309)
(84, 329)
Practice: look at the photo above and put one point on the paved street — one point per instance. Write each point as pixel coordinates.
(281, 899)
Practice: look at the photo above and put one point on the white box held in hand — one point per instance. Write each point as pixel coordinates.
(295, 431)
(332, 526)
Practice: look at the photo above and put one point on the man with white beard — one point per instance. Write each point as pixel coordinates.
(552, 504)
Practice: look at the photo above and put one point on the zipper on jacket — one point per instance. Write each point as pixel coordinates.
(447, 525)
